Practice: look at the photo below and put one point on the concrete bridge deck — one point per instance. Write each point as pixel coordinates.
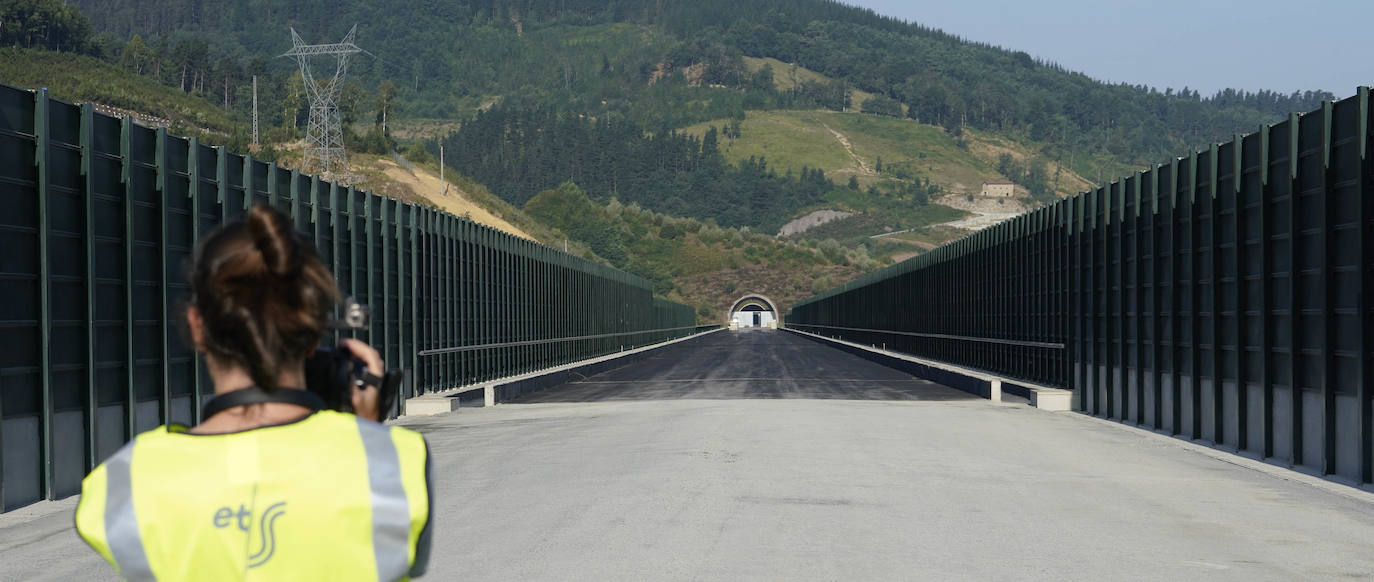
(759, 455)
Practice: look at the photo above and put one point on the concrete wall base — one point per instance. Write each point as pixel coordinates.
(969, 380)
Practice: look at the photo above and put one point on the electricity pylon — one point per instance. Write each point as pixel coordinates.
(324, 147)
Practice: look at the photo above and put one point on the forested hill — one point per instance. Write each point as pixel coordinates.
(599, 58)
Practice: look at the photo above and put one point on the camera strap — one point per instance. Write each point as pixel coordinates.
(256, 395)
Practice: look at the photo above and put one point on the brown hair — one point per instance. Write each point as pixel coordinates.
(263, 292)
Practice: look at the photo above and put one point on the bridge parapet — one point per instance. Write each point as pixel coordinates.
(1223, 296)
(100, 214)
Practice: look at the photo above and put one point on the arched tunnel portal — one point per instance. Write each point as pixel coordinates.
(753, 310)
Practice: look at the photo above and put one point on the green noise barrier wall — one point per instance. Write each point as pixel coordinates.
(99, 216)
(1224, 296)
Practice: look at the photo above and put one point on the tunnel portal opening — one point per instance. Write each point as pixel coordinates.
(753, 311)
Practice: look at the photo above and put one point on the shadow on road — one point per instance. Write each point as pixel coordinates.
(751, 363)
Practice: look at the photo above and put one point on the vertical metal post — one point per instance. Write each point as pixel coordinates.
(1365, 131)
(337, 210)
(1077, 232)
(126, 149)
(417, 281)
(1175, 299)
(1238, 254)
(1116, 312)
(1266, 309)
(1157, 294)
(1139, 317)
(375, 220)
(193, 190)
(383, 221)
(1294, 292)
(1328, 356)
(1066, 291)
(352, 241)
(1097, 288)
(249, 182)
(165, 312)
(1218, 377)
(42, 133)
(272, 184)
(1194, 307)
(222, 182)
(316, 225)
(87, 153)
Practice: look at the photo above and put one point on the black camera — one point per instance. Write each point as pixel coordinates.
(332, 373)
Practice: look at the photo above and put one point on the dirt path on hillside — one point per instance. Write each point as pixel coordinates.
(986, 211)
(844, 141)
(427, 185)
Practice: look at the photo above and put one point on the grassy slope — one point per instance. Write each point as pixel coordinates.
(786, 77)
(793, 139)
(77, 78)
(848, 144)
(790, 140)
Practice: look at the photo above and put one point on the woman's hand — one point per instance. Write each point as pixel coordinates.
(365, 398)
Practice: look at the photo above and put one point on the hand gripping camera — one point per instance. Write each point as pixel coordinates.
(332, 373)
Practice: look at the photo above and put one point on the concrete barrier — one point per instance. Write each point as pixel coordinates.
(509, 388)
(975, 382)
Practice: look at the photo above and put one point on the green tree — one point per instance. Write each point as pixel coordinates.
(763, 79)
(46, 24)
(669, 231)
(350, 101)
(230, 73)
(137, 56)
(291, 105)
(386, 99)
(883, 105)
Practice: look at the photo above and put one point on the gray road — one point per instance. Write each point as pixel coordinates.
(752, 363)
(899, 481)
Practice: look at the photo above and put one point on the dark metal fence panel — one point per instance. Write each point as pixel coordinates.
(1223, 296)
(99, 218)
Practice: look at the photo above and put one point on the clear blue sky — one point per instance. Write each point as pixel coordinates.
(1202, 44)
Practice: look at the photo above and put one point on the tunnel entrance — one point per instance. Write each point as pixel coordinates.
(754, 311)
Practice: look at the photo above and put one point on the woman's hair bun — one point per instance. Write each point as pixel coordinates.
(275, 240)
(263, 293)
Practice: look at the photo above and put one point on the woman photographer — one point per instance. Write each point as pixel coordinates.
(268, 486)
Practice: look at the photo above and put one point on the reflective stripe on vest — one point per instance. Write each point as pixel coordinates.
(227, 506)
(121, 520)
(390, 509)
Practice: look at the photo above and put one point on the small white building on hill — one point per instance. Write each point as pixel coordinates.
(999, 189)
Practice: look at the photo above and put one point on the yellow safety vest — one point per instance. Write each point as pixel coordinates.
(328, 497)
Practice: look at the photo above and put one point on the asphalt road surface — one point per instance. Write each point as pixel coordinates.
(761, 456)
(751, 363)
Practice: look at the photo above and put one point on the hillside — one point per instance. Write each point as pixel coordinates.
(399, 178)
(688, 260)
(654, 68)
(79, 79)
(854, 144)
(697, 262)
(657, 63)
(790, 78)
(743, 117)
